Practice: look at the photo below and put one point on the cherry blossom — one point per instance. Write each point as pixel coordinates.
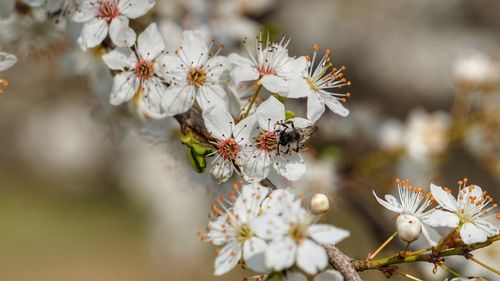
(138, 72)
(6, 62)
(101, 17)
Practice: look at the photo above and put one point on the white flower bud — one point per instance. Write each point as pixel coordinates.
(408, 228)
(319, 204)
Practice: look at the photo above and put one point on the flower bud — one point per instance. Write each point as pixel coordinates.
(319, 204)
(408, 228)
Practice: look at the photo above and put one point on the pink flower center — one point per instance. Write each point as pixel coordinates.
(267, 141)
(265, 70)
(144, 69)
(108, 9)
(229, 149)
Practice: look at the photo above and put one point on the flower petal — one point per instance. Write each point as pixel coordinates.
(257, 166)
(228, 258)
(93, 33)
(194, 49)
(211, 95)
(291, 166)
(254, 254)
(444, 199)
(333, 104)
(85, 12)
(329, 275)
(244, 73)
(120, 33)
(221, 169)
(7, 61)
(152, 96)
(270, 112)
(441, 218)
(178, 99)
(245, 129)
(327, 234)
(218, 122)
(388, 205)
(298, 88)
(274, 84)
(135, 8)
(470, 233)
(311, 257)
(280, 254)
(118, 59)
(315, 107)
(125, 86)
(150, 42)
(269, 226)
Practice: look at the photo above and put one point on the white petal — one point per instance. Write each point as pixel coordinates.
(239, 60)
(329, 275)
(301, 123)
(94, 32)
(222, 169)
(446, 200)
(120, 33)
(327, 234)
(274, 84)
(441, 218)
(150, 42)
(228, 258)
(244, 73)
(269, 226)
(254, 254)
(291, 166)
(298, 88)
(334, 104)
(426, 234)
(152, 96)
(211, 95)
(218, 122)
(293, 69)
(135, 8)
(245, 129)
(125, 86)
(178, 99)
(85, 12)
(470, 234)
(315, 107)
(118, 59)
(280, 254)
(270, 112)
(194, 49)
(487, 226)
(311, 257)
(295, 276)
(7, 61)
(387, 205)
(169, 66)
(257, 166)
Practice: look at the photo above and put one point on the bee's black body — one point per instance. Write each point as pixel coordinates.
(293, 138)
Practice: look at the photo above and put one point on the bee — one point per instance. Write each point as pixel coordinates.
(293, 138)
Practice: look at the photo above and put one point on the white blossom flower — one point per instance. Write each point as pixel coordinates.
(101, 17)
(139, 75)
(6, 62)
(316, 82)
(270, 66)
(475, 68)
(294, 239)
(194, 74)
(233, 228)
(412, 209)
(231, 140)
(469, 212)
(266, 150)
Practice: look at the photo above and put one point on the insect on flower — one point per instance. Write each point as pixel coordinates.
(293, 138)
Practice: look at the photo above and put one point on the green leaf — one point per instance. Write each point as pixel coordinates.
(280, 98)
(188, 139)
(202, 149)
(289, 114)
(198, 162)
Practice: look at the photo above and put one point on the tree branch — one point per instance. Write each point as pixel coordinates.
(342, 263)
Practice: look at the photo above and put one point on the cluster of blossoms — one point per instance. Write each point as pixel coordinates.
(269, 232)
(469, 214)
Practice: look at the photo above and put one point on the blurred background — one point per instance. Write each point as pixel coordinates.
(94, 192)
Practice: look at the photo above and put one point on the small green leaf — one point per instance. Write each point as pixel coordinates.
(280, 98)
(188, 139)
(289, 114)
(198, 162)
(201, 149)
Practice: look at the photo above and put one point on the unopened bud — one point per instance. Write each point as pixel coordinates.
(319, 204)
(408, 228)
